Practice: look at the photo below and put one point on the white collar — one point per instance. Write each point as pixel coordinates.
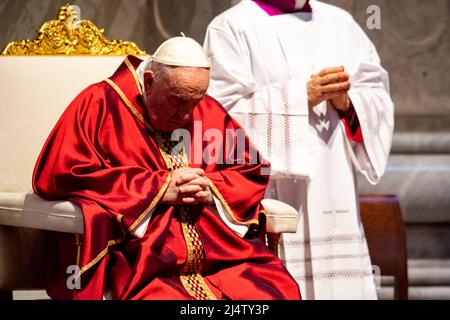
(140, 72)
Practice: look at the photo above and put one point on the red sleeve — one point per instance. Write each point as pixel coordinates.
(352, 126)
(73, 165)
(240, 180)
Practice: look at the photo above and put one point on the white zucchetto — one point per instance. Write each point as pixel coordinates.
(182, 52)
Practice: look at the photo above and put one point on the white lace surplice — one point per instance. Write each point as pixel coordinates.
(261, 64)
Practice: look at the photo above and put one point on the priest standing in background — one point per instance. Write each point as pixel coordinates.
(159, 221)
(306, 83)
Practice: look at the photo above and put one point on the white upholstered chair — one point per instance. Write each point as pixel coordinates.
(38, 79)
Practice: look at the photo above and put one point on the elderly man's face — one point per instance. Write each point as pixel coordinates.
(172, 94)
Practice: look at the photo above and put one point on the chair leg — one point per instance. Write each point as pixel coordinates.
(6, 295)
(273, 239)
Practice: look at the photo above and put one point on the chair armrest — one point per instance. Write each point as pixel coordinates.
(31, 211)
(24, 221)
(281, 217)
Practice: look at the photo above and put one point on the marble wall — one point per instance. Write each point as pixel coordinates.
(414, 40)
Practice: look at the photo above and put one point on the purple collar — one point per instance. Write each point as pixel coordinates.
(272, 10)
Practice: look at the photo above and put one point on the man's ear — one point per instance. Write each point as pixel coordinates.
(148, 79)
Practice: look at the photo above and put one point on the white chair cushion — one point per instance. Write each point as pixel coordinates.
(281, 217)
(30, 211)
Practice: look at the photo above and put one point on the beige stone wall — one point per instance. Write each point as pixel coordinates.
(414, 40)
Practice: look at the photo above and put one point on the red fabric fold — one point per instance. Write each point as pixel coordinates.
(352, 126)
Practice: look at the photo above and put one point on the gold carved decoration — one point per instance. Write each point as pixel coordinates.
(69, 35)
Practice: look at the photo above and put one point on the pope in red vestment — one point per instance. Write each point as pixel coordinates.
(107, 155)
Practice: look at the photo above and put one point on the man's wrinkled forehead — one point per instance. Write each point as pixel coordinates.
(186, 81)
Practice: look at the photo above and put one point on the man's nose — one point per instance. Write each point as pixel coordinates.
(178, 117)
(182, 115)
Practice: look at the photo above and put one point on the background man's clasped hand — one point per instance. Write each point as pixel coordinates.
(330, 84)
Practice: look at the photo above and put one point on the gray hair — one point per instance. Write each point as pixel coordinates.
(160, 70)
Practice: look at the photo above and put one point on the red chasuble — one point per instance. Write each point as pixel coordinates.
(103, 157)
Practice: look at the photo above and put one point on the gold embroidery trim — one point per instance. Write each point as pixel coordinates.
(98, 257)
(136, 222)
(135, 75)
(185, 280)
(141, 119)
(186, 225)
(208, 292)
(162, 149)
(168, 158)
(153, 203)
(130, 105)
(227, 207)
(117, 241)
(78, 242)
(190, 276)
(127, 102)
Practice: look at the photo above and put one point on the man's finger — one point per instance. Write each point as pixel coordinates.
(326, 71)
(202, 194)
(189, 200)
(190, 189)
(199, 171)
(334, 78)
(336, 87)
(186, 177)
(189, 175)
(199, 181)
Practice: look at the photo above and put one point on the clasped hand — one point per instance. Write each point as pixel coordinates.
(330, 84)
(188, 186)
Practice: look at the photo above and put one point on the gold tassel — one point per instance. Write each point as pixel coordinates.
(78, 244)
